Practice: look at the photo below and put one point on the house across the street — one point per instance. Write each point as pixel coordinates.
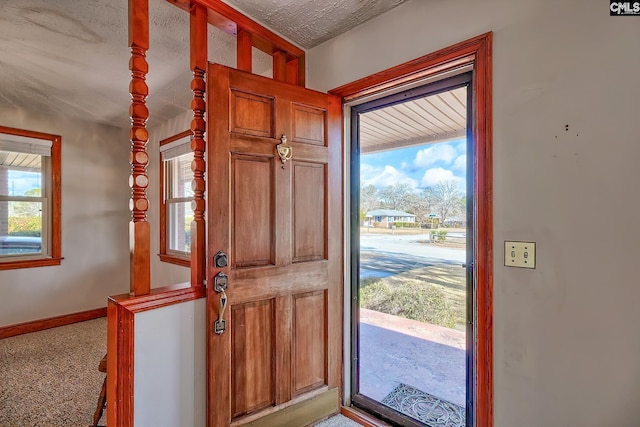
(387, 217)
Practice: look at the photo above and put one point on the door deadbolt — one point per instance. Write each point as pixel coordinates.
(220, 260)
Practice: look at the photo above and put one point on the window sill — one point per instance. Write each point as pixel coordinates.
(172, 259)
(30, 263)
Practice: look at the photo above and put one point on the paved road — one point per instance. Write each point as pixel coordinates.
(386, 255)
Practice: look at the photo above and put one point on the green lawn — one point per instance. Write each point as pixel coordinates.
(435, 294)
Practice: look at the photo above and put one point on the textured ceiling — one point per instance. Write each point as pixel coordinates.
(311, 22)
(71, 57)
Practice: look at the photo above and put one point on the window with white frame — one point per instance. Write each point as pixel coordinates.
(29, 198)
(176, 213)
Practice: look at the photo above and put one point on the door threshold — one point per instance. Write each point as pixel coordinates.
(302, 410)
(361, 417)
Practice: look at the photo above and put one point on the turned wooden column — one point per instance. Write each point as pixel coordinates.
(139, 181)
(198, 145)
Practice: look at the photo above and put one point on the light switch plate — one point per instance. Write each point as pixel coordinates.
(520, 254)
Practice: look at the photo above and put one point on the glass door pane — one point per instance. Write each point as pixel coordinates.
(412, 305)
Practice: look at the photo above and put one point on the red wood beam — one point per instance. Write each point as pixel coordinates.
(230, 16)
(280, 66)
(298, 71)
(244, 55)
(251, 34)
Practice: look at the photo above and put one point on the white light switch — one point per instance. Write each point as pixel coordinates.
(520, 254)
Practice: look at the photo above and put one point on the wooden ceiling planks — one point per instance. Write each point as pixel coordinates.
(436, 118)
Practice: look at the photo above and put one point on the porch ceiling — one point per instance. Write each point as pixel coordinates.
(20, 161)
(436, 118)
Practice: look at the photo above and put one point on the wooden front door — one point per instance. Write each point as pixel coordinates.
(275, 232)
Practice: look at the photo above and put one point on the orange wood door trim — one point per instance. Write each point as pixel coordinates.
(476, 51)
(51, 322)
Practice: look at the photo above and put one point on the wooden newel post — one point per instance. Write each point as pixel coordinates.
(139, 232)
(198, 145)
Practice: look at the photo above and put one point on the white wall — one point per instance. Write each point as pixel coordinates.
(162, 273)
(95, 215)
(567, 346)
(170, 366)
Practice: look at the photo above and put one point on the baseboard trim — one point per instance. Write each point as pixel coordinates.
(51, 322)
(362, 417)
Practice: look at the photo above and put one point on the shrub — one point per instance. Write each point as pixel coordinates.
(25, 226)
(440, 235)
(405, 224)
(412, 300)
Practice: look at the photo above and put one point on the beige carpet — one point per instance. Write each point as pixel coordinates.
(51, 378)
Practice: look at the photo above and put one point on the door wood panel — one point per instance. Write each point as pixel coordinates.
(251, 114)
(252, 206)
(308, 124)
(281, 228)
(308, 211)
(252, 365)
(309, 356)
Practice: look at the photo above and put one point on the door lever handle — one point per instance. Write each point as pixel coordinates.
(220, 325)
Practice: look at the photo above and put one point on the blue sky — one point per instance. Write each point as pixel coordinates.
(21, 182)
(419, 166)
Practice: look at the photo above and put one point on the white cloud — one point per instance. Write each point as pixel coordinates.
(385, 177)
(436, 153)
(21, 182)
(367, 169)
(460, 164)
(434, 175)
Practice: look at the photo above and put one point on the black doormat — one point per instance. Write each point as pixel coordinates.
(422, 406)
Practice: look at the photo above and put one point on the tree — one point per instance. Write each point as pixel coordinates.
(420, 206)
(396, 196)
(446, 199)
(368, 199)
